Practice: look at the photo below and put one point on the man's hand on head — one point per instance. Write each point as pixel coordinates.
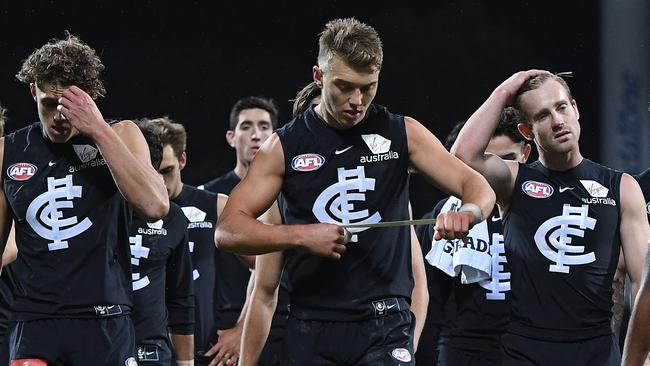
(80, 109)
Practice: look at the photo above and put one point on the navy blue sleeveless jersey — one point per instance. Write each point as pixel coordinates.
(71, 228)
(562, 243)
(7, 288)
(223, 184)
(481, 311)
(163, 292)
(200, 208)
(354, 176)
(644, 182)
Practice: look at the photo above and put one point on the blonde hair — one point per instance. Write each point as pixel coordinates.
(354, 42)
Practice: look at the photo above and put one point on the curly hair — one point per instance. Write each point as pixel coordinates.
(66, 62)
(3, 119)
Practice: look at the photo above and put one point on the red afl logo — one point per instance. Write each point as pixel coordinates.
(537, 189)
(21, 171)
(307, 162)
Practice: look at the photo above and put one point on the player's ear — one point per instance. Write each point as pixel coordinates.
(526, 131)
(526, 152)
(32, 90)
(317, 74)
(230, 137)
(182, 160)
(575, 107)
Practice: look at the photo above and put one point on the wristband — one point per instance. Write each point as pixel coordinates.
(185, 362)
(474, 210)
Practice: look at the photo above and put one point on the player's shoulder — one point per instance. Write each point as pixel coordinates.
(176, 220)
(120, 126)
(643, 178)
(175, 211)
(193, 193)
(223, 184)
(21, 133)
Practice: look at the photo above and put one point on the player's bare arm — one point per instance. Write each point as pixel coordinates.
(226, 350)
(420, 297)
(473, 139)
(271, 216)
(618, 296)
(238, 229)
(125, 151)
(183, 348)
(446, 171)
(637, 341)
(262, 305)
(635, 234)
(634, 230)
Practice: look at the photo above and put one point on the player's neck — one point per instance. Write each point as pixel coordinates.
(177, 191)
(241, 169)
(561, 161)
(326, 117)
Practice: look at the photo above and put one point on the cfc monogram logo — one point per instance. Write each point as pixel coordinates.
(46, 219)
(499, 283)
(554, 236)
(138, 251)
(334, 205)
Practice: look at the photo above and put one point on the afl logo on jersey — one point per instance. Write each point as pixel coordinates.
(307, 162)
(21, 171)
(647, 208)
(401, 354)
(537, 189)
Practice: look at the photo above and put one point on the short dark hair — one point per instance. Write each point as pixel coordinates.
(153, 141)
(250, 103)
(66, 62)
(3, 119)
(508, 122)
(510, 118)
(453, 134)
(170, 133)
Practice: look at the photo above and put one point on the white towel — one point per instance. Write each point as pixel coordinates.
(442, 251)
(469, 257)
(472, 258)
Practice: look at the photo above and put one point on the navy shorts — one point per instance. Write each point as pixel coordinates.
(523, 351)
(154, 352)
(106, 341)
(450, 356)
(385, 340)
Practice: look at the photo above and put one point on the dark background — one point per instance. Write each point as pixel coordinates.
(192, 60)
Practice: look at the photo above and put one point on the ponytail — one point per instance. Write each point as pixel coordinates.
(304, 98)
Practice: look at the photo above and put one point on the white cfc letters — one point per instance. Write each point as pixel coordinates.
(138, 251)
(554, 237)
(49, 223)
(499, 283)
(195, 272)
(335, 204)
